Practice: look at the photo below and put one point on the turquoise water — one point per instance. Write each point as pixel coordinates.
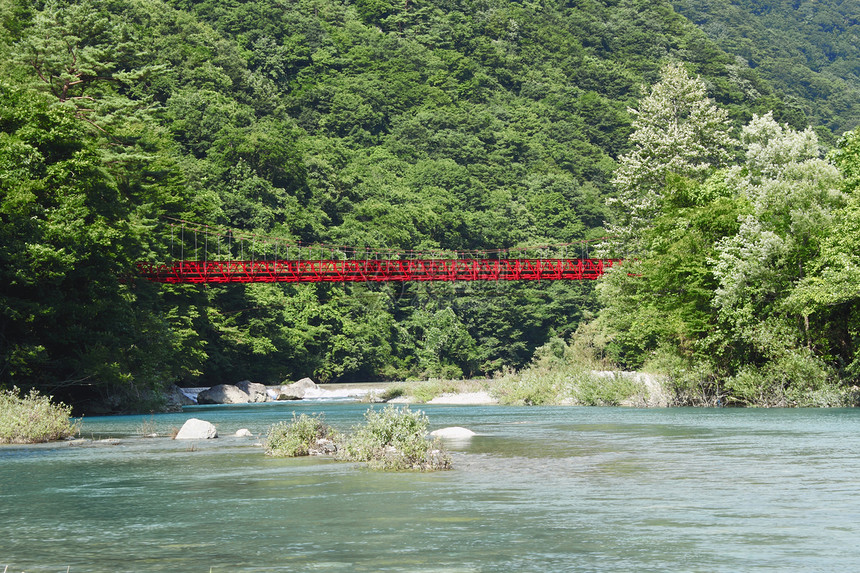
(539, 489)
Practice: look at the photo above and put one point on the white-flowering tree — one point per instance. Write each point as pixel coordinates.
(829, 293)
(660, 296)
(677, 131)
(794, 195)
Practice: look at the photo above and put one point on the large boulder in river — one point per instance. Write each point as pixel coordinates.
(223, 394)
(176, 398)
(195, 429)
(297, 390)
(256, 392)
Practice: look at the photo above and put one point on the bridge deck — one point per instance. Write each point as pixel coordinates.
(370, 270)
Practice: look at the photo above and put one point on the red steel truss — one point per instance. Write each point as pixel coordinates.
(295, 271)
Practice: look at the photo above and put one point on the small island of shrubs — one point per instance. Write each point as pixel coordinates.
(392, 439)
(33, 418)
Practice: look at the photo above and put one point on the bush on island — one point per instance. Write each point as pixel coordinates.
(391, 439)
(395, 439)
(33, 418)
(300, 437)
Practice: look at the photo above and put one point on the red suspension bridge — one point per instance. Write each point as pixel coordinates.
(211, 258)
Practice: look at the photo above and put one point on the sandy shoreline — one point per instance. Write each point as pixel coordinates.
(452, 398)
(365, 391)
(465, 398)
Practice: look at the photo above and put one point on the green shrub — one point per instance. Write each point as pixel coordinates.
(429, 389)
(33, 418)
(796, 378)
(423, 392)
(395, 439)
(568, 384)
(389, 393)
(533, 386)
(300, 437)
(589, 389)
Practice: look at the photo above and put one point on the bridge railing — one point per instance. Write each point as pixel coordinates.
(205, 254)
(372, 270)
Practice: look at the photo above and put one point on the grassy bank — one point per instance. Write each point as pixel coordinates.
(573, 373)
(574, 385)
(424, 391)
(539, 385)
(577, 387)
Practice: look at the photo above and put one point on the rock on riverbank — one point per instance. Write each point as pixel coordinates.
(298, 390)
(246, 392)
(256, 392)
(223, 394)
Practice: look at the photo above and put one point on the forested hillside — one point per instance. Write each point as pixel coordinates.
(808, 50)
(480, 124)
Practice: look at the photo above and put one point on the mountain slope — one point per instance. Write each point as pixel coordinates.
(808, 50)
(455, 124)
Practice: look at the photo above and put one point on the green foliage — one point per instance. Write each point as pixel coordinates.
(796, 378)
(559, 376)
(678, 132)
(687, 382)
(298, 437)
(615, 390)
(567, 385)
(529, 387)
(390, 440)
(829, 295)
(33, 418)
(426, 391)
(794, 197)
(72, 225)
(722, 299)
(464, 125)
(805, 50)
(389, 393)
(395, 439)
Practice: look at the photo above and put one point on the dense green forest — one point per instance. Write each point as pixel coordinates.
(449, 125)
(808, 50)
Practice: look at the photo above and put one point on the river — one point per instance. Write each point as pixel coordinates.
(540, 489)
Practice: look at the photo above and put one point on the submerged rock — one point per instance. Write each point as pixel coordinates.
(244, 433)
(454, 432)
(223, 394)
(196, 429)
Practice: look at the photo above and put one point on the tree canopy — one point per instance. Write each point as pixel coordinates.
(454, 125)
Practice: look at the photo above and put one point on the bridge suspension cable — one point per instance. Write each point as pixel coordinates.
(238, 257)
